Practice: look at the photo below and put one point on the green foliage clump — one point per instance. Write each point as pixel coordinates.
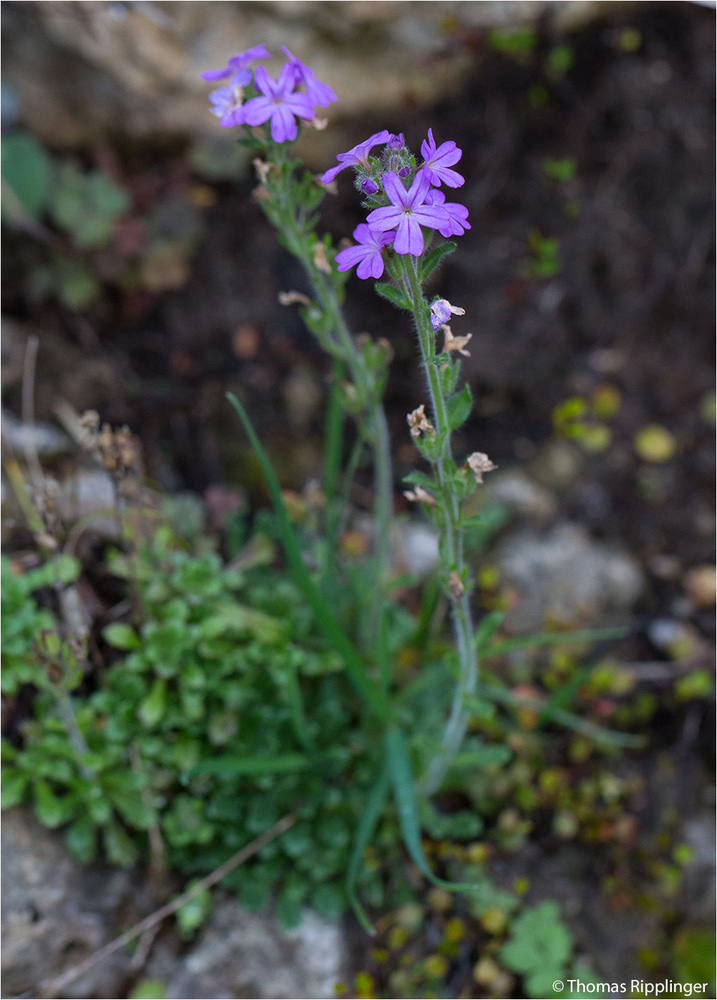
(23, 621)
(200, 732)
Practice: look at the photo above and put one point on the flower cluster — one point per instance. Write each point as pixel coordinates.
(277, 100)
(404, 199)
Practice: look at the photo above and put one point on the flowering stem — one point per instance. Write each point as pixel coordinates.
(289, 219)
(452, 549)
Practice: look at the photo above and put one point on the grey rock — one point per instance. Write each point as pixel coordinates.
(558, 465)
(43, 438)
(142, 62)
(566, 576)
(240, 954)
(55, 913)
(414, 547)
(523, 496)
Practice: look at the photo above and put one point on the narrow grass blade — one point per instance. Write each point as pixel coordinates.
(369, 819)
(382, 657)
(325, 618)
(296, 707)
(487, 629)
(333, 437)
(564, 695)
(553, 639)
(404, 790)
(567, 719)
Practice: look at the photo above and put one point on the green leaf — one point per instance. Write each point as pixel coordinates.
(487, 629)
(49, 809)
(119, 847)
(324, 615)
(434, 258)
(459, 407)
(121, 636)
(553, 639)
(235, 767)
(237, 618)
(14, 783)
(375, 803)
(420, 479)
(291, 899)
(394, 295)
(328, 901)
(26, 170)
(133, 810)
(81, 840)
(404, 790)
(539, 939)
(152, 707)
(149, 989)
(194, 913)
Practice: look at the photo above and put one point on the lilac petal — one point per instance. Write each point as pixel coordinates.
(256, 52)
(395, 191)
(287, 80)
(409, 238)
(300, 105)
(348, 258)
(242, 78)
(371, 266)
(428, 147)
(283, 124)
(257, 110)
(318, 92)
(384, 218)
(428, 215)
(216, 74)
(332, 172)
(264, 82)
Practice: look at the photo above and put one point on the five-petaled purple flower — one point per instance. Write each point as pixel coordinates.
(236, 68)
(367, 255)
(356, 157)
(455, 220)
(320, 94)
(407, 213)
(437, 162)
(279, 103)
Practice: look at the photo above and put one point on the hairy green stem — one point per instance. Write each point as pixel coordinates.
(344, 347)
(452, 539)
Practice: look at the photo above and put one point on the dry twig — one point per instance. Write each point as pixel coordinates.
(52, 987)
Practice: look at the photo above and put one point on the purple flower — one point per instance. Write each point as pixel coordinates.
(407, 213)
(227, 105)
(367, 255)
(456, 215)
(441, 311)
(278, 103)
(320, 94)
(438, 161)
(236, 67)
(358, 156)
(396, 141)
